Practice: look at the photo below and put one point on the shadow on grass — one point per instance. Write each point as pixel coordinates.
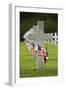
(38, 73)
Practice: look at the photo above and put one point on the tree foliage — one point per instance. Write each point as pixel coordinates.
(28, 19)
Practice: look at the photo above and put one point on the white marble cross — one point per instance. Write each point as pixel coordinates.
(37, 36)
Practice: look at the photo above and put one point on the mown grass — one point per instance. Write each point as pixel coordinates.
(28, 63)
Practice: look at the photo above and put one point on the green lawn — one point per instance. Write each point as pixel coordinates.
(28, 63)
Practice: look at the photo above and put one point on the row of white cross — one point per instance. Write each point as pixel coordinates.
(54, 40)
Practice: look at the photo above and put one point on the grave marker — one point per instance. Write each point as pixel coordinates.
(37, 36)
